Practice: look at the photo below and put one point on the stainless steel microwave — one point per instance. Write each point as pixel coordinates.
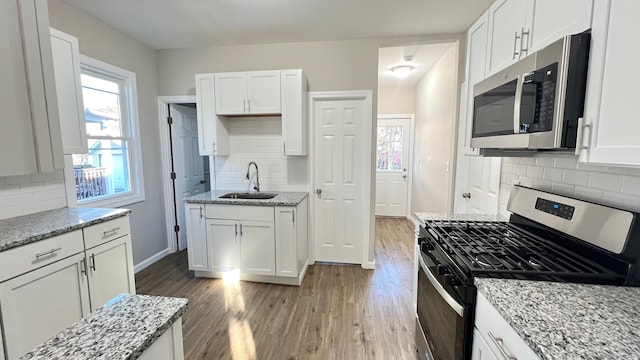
(535, 103)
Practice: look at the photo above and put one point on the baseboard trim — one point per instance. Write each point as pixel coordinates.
(146, 263)
(371, 265)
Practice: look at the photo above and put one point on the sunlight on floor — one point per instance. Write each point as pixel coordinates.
(241, 338)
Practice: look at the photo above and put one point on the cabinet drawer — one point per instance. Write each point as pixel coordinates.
(109, 230)
(30, 257)
(240, 212)
(500, 337)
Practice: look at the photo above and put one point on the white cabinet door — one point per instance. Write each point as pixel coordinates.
(552, 20)
(294, 112)
(66, 64)
(507, 19)
(263, 92)
(611, 91)
(213, 131)
(223, 244)
(110, 271)
(169, 346)
(41, 303)
(257, 248)
(30, 126)
(231, 93)
(196, 237)
(480, 349)
(286, 234)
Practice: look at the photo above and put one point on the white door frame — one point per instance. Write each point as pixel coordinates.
(411, 118)
(167, 186)
(369, 188)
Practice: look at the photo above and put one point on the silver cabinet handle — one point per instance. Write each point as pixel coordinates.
(499, 342)
(524, 46)
(579, 137)
(293, 216)
(248, 105)
(201, 212)
(241, 230)
(83, 266)
(110, 232)
(93, 262)
(47, 253)
(236, 225)
(515, 46)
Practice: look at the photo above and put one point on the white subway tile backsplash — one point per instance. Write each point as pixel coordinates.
(519, 169)
(528, 160)
(566, 162)
(605, 181)
(22, 195)
(542, 184)
(535, 172)
(545, 160)
(562, 189)
(623, 201)
(575, 177)
(526, 181)
(631, 185)
(553, 174)
(590, 194)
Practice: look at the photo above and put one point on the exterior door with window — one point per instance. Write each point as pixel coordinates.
(187, 162)
(392, 164)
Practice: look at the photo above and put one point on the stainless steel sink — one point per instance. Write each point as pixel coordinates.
(257, 196)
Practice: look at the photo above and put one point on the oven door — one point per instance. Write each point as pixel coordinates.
(440, 316)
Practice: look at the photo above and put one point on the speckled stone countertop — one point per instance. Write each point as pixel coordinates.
(284, 198)
(569, 321)
(421, 218)
(26, 229)
(122, 330)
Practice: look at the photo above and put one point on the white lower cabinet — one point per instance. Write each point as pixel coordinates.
(494, 338)
(169, 346)
(264, 243)
(110, 269)
(40, 304)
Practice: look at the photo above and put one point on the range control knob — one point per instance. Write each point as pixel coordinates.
(450, 279)
(441, 269)
(426, 247)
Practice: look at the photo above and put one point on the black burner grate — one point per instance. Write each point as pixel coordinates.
(502, 248)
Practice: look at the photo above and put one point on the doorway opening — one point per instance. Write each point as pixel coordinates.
(185, 172)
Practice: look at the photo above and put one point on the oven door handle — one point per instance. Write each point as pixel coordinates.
(459, 309)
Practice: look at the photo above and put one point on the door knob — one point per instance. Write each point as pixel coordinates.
(466, 195)
(319, 191)
(404, 176)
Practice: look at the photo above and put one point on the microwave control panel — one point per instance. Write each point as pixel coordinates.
(555, 208)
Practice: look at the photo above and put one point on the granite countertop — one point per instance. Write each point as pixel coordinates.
(569, 321)
(22, 230)
(422, 218)
(284, 198)
(121, 330)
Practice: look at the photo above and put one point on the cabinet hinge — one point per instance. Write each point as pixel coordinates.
(169, 120)
(176, 228)
(173, 176)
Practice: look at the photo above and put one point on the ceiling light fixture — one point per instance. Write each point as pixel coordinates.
(402, 71)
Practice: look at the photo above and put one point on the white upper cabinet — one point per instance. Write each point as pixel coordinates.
(553, 19)
(294, 112)
(31, 129)
(66, 65)
(611, 132)
(475, 71)
(242, 93)
(213, 133)
(507, 20)
(519, 27)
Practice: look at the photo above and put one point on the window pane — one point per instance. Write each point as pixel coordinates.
(101, 106)
(390, 151)
(103, 171)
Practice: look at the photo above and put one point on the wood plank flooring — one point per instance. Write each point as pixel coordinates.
(339, 312)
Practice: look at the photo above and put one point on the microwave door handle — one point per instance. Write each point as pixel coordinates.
(516, 106)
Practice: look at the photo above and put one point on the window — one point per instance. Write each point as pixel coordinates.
(110, 173)
(390, 148)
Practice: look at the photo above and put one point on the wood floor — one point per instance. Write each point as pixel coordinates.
(339, 312)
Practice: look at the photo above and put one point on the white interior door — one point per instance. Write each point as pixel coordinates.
(187, 162)
(342, 153)
(477, 184)
(392, 164)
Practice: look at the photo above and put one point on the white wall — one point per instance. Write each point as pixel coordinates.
(562, 174)
(396, 100)
(22, 195)
(260, 140)
(105, 43)
(435, 122)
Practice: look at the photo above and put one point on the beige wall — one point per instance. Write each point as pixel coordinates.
(104, 43)
(435, 124)
(396, 100)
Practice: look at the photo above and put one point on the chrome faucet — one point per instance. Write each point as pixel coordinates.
(257, 187)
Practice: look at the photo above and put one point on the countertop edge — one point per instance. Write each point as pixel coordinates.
(252, 202)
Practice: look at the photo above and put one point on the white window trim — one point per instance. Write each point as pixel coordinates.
(137, 193)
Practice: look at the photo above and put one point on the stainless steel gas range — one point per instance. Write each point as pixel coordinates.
(548, 237)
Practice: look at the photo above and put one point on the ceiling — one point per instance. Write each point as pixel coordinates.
(424, 57)
(169, 24)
